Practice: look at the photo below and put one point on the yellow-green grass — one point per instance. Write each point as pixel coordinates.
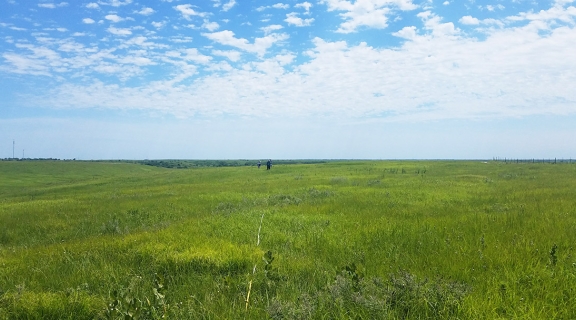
(358, 239)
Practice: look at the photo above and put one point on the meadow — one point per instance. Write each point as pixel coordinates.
(332, 240)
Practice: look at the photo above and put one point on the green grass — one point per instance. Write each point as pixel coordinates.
(338, 240)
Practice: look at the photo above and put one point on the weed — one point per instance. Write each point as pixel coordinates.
(126, 304)
(352, 295)
(553, 255)
(111, 226)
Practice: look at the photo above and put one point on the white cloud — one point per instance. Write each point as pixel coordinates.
(232, 55)
(280, 6)
(274, 6)
(469, 20)
(92, 5)
(119, 31)
(139, 61)
(285, 59)
(557, 12)
(146, 11)
(52, 5)
(493, 8)
(24, 65)
(433, 23)
(367, 13)
(220, 66)
(406, 33)
(144, 42)
(187, 11)
(210, 26)
(181, 39)
(88, 21)
(306, 5)
(271, 28)
(293, 19)
(71, 46)
(159, 24)
(260, 45)
(229, 5)
(115, 3)
(113, 18)
(192, 54)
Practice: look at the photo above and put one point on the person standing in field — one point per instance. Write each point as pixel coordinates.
(259, 163)
(269, 164)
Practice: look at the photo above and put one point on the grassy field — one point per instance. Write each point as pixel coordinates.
(335, 240)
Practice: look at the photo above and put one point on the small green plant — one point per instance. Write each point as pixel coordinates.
(112, 226)
(126, 304)
(553, 255)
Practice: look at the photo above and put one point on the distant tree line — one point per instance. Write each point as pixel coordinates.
(534, 160)
(183, 164)
(32, 159)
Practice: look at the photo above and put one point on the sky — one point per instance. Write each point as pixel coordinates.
(327, 79)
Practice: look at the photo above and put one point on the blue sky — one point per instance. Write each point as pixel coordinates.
(229, 79)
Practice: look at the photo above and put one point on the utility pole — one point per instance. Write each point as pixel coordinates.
(13, 145)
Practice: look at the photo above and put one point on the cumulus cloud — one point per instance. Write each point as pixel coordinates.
(406, 33)
(53, 5)
(433, 23)
(113, 18)
(187, 11)
(280, 6)
(259, 47)
(146, 11)
(232, 55)
(493, 8)
(274, 6)
(368, 13)
(158, 24)
(210, 25)
(293, 19)
(271, 28)
(115, 3)
(469, 20)
(229, 5)
(306, 5)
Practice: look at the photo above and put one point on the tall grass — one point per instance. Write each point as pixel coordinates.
(373, 239)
